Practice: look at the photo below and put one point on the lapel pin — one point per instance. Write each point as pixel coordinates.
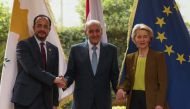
(49, 49)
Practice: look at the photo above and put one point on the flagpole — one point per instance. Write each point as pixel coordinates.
(61, 13)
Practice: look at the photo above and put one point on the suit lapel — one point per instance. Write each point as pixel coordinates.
(148, 61)
(49, 50)
(102, 55)
(36, 50)
(135, 62)
(87, 56)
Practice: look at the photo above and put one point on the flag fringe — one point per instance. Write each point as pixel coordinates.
(65, 101)
(53, 20)
(130, 25)
(50, 12)
(131, 20)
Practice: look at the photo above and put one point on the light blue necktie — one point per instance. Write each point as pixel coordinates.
(94, 60)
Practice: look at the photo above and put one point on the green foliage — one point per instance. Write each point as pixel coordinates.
(4, 21)
(71, 36)
(81, 9)
(120, 40)
(2, 52)
(67, 105)
(4, 28)
(116, 15)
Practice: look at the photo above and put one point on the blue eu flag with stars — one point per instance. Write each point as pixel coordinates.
(171, 37)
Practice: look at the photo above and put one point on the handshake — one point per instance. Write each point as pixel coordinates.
(61, 82)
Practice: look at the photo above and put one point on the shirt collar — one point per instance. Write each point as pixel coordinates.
(91, 45)
(39, 41)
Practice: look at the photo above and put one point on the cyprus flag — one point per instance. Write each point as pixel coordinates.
(24, 11)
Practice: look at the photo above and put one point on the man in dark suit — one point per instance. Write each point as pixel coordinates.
(37, 79)
(92, 65)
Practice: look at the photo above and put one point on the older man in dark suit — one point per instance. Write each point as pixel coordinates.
(37, 59)
(93, 66)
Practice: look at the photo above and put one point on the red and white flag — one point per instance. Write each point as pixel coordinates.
(94, 11)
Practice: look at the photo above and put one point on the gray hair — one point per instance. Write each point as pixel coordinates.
(90, 23)
(141, 27)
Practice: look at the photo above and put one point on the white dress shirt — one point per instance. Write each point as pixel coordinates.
(91, 51)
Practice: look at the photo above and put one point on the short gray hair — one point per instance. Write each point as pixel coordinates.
(141, 27)
(90, 23)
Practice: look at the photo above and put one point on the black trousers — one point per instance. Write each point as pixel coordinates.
(37, 104)
(94, 106)
(138, 100)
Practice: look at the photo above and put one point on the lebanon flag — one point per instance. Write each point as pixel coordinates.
(94, 11)
(24, 11)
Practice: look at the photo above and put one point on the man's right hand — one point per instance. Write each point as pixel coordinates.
(60, 82)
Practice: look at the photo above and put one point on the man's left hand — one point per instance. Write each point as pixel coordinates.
(158, 107)
(54, 107)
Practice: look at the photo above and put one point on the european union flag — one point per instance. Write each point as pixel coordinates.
(170, 36)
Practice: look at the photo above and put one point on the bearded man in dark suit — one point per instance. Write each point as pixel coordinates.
(37, 79)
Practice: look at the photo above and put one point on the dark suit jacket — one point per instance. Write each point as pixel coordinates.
(89, 88)
(32, 79)
(155, 78)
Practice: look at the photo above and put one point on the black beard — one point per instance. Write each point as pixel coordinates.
(41, 38)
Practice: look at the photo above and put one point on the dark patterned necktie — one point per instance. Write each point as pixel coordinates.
(43, 52)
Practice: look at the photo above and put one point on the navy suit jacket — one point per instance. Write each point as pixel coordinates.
(32, 79)
(92, 89)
